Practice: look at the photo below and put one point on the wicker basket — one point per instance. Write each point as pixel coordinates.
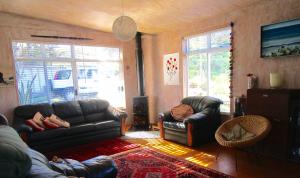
(258, 125)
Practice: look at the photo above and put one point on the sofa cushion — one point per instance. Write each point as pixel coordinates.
(50, 125)
(93, 106)
(107, 124)
(178, 126)
(38, 119)
(69, 111)
(28, 111)
(199, 103)
(95, 117)
(47, 134)
(58, 121)
(14, 161)
(34, 125)
(82, 128)
(99, 117)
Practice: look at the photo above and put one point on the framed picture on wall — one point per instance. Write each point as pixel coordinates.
(171, 69)
(281, 39)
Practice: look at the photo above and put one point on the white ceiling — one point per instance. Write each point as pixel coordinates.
(152, 16)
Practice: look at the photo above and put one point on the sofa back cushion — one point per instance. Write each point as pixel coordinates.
(14, 160)
(201, 103)
(22, 113)
(95, 110)
(69, 111)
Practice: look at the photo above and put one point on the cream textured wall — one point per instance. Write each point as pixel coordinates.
(246, 51)
(13, 27)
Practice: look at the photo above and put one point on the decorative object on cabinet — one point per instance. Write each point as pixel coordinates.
(279, 106)
(239, 106)
(252, 81)
(275, 80)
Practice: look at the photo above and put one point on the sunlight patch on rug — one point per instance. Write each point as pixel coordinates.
(141, 134)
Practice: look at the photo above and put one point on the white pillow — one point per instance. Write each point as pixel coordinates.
(56, 120)
(237, 132)
(38, 118)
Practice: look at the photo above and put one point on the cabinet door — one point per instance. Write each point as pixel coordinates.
(275, 107)
(275, 144)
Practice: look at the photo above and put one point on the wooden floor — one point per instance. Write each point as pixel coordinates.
(248, 165)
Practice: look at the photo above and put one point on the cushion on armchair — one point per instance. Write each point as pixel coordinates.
(181, 111)
(237, 132)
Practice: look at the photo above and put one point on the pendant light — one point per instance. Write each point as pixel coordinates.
(124, 28)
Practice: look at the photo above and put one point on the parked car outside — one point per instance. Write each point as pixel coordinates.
(88, 82)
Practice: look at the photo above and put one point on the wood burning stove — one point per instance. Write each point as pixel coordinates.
(140, 103)
(140, 113)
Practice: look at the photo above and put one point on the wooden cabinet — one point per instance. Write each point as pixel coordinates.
(277, 106)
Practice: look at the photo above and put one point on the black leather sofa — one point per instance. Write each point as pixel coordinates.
(89, 120)
(17, 160)
(196, 129)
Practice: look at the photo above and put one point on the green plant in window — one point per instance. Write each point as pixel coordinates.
(25, 91)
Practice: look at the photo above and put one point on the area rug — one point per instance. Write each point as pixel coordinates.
(141, 135)
(90, 150)
(147, 163)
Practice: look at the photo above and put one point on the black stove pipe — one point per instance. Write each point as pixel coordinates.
(139, 63)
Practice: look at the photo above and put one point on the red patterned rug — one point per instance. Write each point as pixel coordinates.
(90, 150)
(148, 163)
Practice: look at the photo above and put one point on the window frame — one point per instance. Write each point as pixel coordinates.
(208, 51)
(72, 60)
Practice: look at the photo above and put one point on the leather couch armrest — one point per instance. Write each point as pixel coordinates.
(3, 120)
(121, 116)
(118, 113)
(24, 131)
(23, 128)
(197, 118)
(165, 116)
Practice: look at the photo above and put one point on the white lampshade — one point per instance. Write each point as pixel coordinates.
(275, 80)
(124, 28)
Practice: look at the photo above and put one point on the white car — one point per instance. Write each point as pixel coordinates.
(88, 81)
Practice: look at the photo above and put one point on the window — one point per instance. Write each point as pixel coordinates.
(56, 72)
(208, 65)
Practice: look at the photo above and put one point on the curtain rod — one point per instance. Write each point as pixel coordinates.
(60, 37)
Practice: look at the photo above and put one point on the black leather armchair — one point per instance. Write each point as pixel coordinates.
(196, 129)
